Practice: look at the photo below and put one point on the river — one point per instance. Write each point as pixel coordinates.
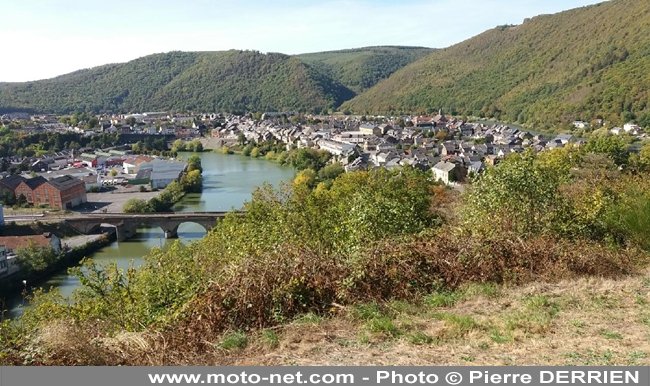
(228, 181)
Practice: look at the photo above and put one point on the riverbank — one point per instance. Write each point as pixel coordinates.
(75, 251)
(227, 182)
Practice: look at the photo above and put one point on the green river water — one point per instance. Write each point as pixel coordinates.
(228, 181)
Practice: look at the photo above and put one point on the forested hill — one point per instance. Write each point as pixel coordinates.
(233, 81)
(585, 63)
(361, 68)
(206, 81)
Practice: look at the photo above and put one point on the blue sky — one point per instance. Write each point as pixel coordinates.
(44, 38)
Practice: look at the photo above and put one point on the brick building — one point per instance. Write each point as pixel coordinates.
(27, 187)
(63, 192)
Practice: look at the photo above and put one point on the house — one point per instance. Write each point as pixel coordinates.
(12, 243)
(492, 160)
(335, 147)
(8, 263)
(616, 130)
(39, 166)
(63, 192)
(633, 129)
(369, 129)
(565, 138)
(444, 171)
(423, 122)
(90, 180)
(131, 165)
(476, 167)
(580, 124)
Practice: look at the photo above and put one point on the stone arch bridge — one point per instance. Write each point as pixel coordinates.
(127, 223)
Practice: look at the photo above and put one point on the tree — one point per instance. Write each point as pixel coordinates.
(197, 146)
(248, 149)
(7, 197)
(519, 195)
(136, 205)
(130, 121)
(22, 200)
(178, 145)
(137, 147)
(610, 145)
(113, 172)
(194, 163)
(192, 182)
(241, 138)
(330, 172)
(306, 177)
(92, 123)
(33, 258)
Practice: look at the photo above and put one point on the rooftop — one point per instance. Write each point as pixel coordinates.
(64, 182)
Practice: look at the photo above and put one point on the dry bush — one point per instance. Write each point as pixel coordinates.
(258, 293)
(261, 293)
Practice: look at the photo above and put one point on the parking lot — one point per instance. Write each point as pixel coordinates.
(112, 199)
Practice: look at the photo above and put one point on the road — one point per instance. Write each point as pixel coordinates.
(79, 240)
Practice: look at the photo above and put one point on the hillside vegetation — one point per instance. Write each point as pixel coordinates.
(207, 81)
(230, 81)
(361, 68)
(587, 63)
(301, 252)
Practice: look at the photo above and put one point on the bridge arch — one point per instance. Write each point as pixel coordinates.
(128, 224)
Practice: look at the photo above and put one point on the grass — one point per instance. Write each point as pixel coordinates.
(419, 338)
(610, 334)
(498, 337)
(309, 318)
(516, 326)
(234, 340)
(590, 322)
(447, 299)
(383, 325)
(270, 338)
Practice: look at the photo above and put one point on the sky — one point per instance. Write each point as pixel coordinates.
(45, 38)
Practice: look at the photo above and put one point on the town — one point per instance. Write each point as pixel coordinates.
(112, 159)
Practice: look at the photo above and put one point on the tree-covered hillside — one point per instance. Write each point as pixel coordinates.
(212, 81)
(361, 68)
(209, 81)
(587, 63)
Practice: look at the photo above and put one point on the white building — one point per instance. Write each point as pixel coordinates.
(444, 171)
(335, 147)
(580, 124)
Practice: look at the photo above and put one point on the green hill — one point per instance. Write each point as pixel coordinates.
(361, 68)
(587, 63)
(207, 81)
(212, 81)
